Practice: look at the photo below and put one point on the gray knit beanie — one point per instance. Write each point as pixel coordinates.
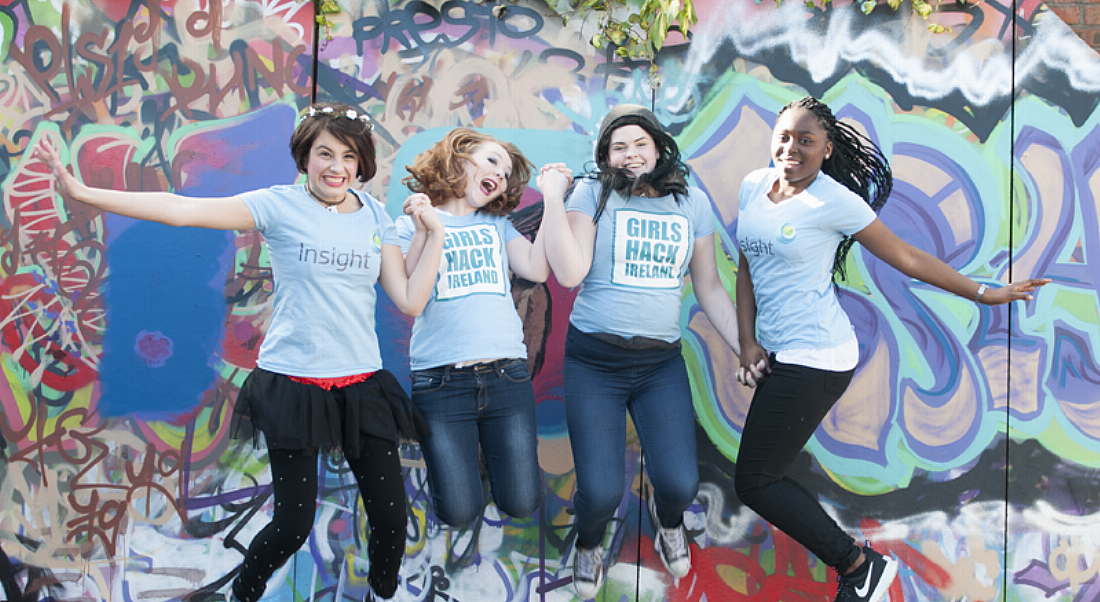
(620, 111)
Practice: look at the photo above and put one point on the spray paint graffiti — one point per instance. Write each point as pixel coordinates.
(964, 424)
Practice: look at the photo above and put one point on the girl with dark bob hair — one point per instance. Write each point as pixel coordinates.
(797, 345)
(319, 385)
(470, 377)
(636, 229)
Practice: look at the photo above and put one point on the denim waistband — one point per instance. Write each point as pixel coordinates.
(479, 368)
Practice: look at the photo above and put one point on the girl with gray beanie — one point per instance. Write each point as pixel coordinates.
(636, 229)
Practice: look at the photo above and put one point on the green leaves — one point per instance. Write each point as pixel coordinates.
(321, 10)
(637, 29)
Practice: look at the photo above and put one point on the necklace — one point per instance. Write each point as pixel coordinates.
(332, 207)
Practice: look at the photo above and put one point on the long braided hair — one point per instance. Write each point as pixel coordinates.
(856, 162)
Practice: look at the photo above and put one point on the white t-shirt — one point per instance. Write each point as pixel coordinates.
(643, 250)
(471, 315)
(324, 267)
(790, 247)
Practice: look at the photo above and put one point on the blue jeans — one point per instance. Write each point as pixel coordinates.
(602, 383)
(491, 405)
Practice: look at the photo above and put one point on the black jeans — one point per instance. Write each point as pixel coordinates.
(784, 413)
(294, 478)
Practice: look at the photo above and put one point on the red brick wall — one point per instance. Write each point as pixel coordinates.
(1081, 15)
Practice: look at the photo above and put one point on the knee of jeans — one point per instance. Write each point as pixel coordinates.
(454, 513)
(520, 506)
(680, 495)
(599, 505)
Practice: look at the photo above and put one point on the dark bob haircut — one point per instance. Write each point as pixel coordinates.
(347, 124)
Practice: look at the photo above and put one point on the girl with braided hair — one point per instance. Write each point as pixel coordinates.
(797, 222)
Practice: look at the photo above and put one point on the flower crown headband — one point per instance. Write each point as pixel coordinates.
(329, 111)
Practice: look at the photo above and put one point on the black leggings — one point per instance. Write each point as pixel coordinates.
(784, 413)
(294, 479)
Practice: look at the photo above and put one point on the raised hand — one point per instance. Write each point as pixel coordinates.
(554, 179)
(67, 184)
(419, 207)
(1015, 291)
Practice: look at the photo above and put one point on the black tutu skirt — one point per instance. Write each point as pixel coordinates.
(279, 413)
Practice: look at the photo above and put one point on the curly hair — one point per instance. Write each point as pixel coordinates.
(347, 124)
(440, 171)
(669, 176)
(856, 162)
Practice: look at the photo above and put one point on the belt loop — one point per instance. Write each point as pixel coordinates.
(446, 374)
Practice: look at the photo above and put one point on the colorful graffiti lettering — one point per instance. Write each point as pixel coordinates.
(966, 446)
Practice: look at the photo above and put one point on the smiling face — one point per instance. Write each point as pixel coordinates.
(332, 167)
(633, 149)
(799, 146)
(487, 173)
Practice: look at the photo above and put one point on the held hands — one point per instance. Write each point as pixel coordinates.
(419, 208)
(1014, 291)
(554, 179)
(754, 365)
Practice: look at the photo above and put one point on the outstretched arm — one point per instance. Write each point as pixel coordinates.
(915, 263)
(225, 213)
(529, 260)
(410, 291)
(754, 358)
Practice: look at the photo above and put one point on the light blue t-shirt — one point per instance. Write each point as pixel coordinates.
(471, 315)
(324, 266)
(643, 250)
(790, 247)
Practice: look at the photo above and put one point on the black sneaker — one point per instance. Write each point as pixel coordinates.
(870, 585)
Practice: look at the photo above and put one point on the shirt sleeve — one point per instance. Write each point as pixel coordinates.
(704, 213)
(750, 187)
(851, 213)
(583, 198)
(260, 203)
(510, 231)
(400, 234)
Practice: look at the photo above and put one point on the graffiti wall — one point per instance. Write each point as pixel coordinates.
(968, 445)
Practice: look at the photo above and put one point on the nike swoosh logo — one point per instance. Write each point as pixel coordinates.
(863, 590)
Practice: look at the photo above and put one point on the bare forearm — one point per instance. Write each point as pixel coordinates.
(746, 304)
(533, 264)
(717, 305)
(927, 268)
(424, 275)
(416, 250)
(571, 257)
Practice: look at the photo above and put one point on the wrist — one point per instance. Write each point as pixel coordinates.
(982, 289)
